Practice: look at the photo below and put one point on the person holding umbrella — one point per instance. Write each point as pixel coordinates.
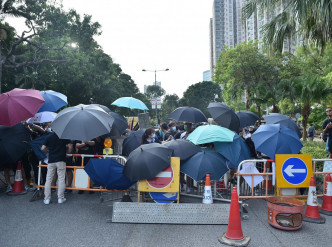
(56, 162)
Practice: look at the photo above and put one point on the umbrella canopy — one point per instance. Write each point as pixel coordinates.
(43, 117)
(120, 124)
(36, 145)
(224, 116)
(205, 162)
(53, 101)
(82, 122)
(132, 142)
(210, 133)
(105, 108)
(234, 152)
(182, 148)
(277, 118)
(247, 118)
(272, 139)
(18, 105)
(107, 173)
(146, 161)
(130, 102)
(13, 143)
(188, 114)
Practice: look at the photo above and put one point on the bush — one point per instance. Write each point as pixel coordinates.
(317, 150)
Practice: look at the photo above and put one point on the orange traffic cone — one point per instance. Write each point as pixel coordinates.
(18, 188)
(234, 235)
(327, 200)
(207, 196)
(312, 213)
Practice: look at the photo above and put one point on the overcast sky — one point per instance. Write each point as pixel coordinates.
(154, 34)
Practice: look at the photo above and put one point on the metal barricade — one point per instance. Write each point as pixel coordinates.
(266, 188)
(262, 190)
(122, 160)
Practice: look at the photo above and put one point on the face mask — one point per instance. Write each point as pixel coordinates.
(174, 128)
(185, 127)
(154, 136)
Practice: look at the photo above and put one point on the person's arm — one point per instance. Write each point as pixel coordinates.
(327, 126)
(90, 143)
(37, 128)
(44, 149)
(70, 148)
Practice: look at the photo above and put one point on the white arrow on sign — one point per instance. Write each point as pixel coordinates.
(169, 195)
(289, 171)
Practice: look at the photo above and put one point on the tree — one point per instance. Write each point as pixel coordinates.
(199, 95)
(309, 20)
(244, 71)
(170, 103)
(87, 71)
(154, 92)
(29, 42)
(309, 91)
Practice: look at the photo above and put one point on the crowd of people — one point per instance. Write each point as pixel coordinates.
(56, 150)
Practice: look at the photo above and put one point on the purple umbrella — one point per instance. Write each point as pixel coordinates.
(18, 105)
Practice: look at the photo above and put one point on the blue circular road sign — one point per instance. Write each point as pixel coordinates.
(294, 171)
(167, 197)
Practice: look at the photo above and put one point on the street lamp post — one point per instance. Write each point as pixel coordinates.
(155, 83)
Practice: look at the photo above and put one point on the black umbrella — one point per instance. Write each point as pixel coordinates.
(105, 108)
(146, 161)
(247, 118)
(205, 162)
(13, 143)
(82, 122)
(119, 125)
(182, 148)
(224, 116)
(188, 114)
(132, 142)
(277, 118)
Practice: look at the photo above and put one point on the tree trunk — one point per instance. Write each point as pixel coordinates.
(247, 99)
(275, 109)
(305, 115)
(259, 110)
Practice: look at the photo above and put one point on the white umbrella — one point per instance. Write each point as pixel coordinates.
(42, 117)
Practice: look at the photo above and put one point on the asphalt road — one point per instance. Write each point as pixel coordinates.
(83, 221)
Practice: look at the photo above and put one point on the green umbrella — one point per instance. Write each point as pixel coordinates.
(210, 133)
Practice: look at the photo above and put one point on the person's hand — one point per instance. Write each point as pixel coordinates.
(170, 138)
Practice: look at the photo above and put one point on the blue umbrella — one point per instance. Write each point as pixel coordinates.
(205, 162)
(36, 145)
(235, 151)
(277, 118)
(272, 139)
(107, 173)
(130, 102)
(53, 101)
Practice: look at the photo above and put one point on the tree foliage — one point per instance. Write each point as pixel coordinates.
(85, 71)
(199, 95)
(244, 72)
(310, 20)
